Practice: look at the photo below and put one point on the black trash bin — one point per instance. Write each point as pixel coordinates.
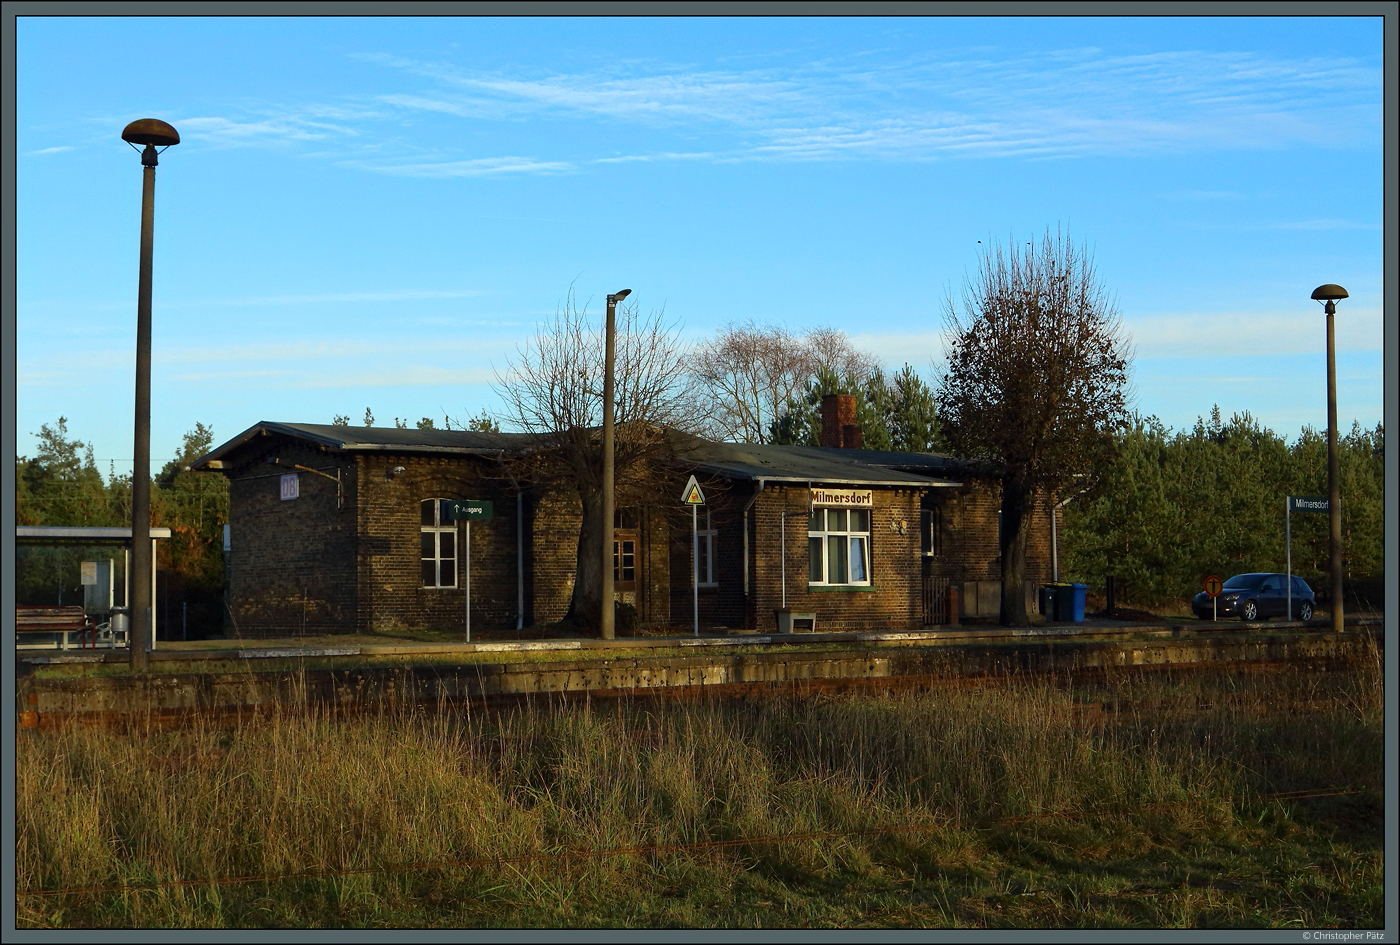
(1050, 606)
(1070, 602)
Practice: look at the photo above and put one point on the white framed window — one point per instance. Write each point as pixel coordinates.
(838, 547)
(439, 544)
(708, 537)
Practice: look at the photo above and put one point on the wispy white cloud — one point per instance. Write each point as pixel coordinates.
(970, 103)
(1233, 223)
(1190, 336)
(413, 377)
(57, 150)
(659, 156)
(1322, 225)
(1060, 103)
(280, 127)
(393, 295)
(318, 379)
(1208, 195)
(1249, 334)
(476, 167)
(306, 351)
(225, 376)
(920, 350)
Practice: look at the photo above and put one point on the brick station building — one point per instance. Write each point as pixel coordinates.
(337, 529)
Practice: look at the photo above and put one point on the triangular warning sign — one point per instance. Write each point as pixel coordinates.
(692, 494)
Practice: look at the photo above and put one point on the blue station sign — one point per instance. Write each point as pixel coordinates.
(1309, 503)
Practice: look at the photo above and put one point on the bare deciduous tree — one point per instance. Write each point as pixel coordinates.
(753, 373)
(1036, 383)
(553, 389)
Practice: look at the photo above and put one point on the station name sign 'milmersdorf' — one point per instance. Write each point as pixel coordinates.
(1309, 503)
(843, 498)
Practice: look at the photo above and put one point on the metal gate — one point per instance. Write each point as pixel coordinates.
(936, 600)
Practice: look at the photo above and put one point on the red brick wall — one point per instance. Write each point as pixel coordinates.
(969, 534)
(291, 563)
(306, 567)
(553, 538)
(893, 601)
(390, 577)
(968, 552)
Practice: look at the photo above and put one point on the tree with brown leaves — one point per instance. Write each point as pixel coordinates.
(1036, 383)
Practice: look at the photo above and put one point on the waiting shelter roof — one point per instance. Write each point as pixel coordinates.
(79, 534)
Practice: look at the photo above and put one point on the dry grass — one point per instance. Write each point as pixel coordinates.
(1143, 802)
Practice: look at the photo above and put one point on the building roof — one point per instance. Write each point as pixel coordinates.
(766, 463)
(348, 439)
(750, 461)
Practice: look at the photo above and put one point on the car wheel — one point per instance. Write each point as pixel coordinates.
(1250, 611)
(1305, 611)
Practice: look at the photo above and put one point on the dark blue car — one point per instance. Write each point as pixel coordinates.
(1257, 596)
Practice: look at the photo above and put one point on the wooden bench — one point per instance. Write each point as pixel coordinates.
(62, 621)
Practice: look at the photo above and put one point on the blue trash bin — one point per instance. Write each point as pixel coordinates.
(1076, 595)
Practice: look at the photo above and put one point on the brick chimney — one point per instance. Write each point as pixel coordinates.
(839, 427)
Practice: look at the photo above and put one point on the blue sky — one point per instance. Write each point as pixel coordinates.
(378, 211)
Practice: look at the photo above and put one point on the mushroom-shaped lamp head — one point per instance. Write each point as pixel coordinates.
(150, 131)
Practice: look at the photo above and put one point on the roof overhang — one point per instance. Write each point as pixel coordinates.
(79, 534)
(891, 482)
(345, 440)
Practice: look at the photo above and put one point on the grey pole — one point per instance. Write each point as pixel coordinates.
(466, 577)
(149, 132)
(1334, 481)
(610, 331)
(1288, 549)
(141, 449)
(1329, 294)
(695, 564)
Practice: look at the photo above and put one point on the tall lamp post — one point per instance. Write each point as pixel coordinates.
(152, 133)
(610, 332)
(1330, 294)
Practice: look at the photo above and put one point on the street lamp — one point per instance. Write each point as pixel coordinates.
(608, 335)
(153, 133)
(1330, 294)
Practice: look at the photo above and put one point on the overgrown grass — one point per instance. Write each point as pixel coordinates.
(1137, 802)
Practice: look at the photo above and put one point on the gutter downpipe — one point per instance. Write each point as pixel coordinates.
(747, 506)
(1054, 549)
(745, 519)
(519, 558)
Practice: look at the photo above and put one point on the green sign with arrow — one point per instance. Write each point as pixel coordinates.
(469, 509)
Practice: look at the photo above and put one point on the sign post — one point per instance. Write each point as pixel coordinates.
(465, 510)
(1213, 585)
(693, 497)
(1302, 503)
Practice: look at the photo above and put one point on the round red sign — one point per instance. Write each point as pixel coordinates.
(1213, 585)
